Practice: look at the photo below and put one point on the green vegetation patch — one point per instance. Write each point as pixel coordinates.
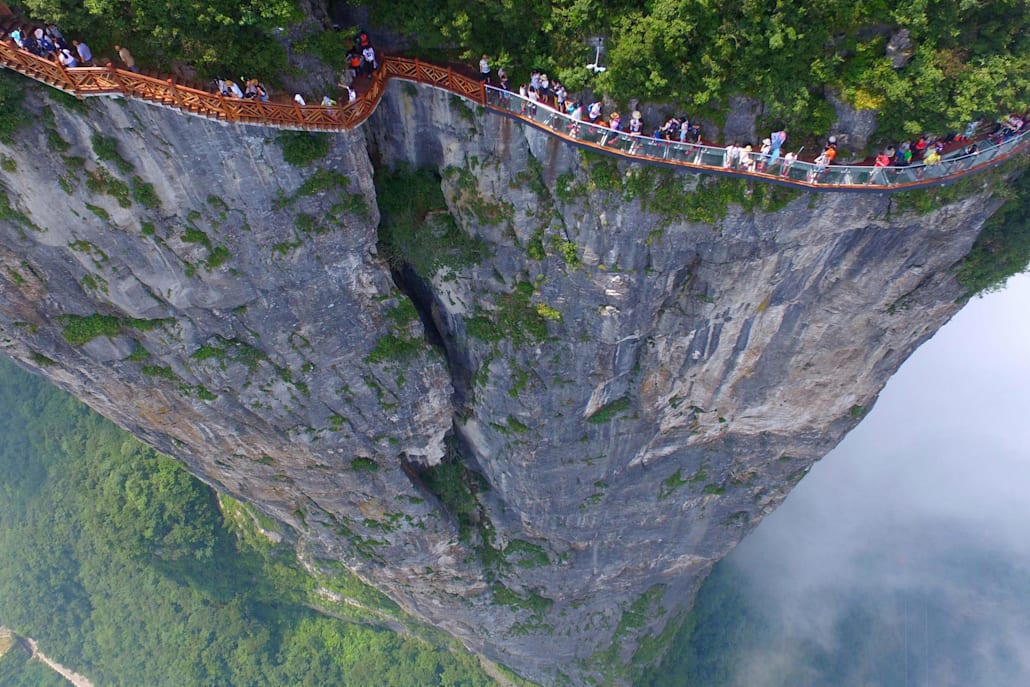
(106, 149)
(216, 256)
(13, 115)
(635, 616)
(143, 193)
(671, 484)
(362, 464)
(301, 148)
(468, 197)
(8, 213)
(1003, 247)
(329, 46)
(456, 487)
(516, 318)
(526, 554)
(417, 230)
(80, 329)
(534, 602)
(673, 195)
(968, 59)
(322, 180)
(608, 411)
(393, 347)
(83, 329)
(99, 212)
(159, 371)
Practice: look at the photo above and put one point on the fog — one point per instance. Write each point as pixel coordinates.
(903, 558)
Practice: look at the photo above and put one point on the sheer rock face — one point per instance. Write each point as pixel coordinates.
(690, 372)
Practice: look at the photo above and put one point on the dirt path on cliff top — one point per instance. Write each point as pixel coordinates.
(69, 675)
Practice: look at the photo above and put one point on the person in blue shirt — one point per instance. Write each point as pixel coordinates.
(85, 54)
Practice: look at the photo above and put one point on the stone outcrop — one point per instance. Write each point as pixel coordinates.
(899, 48)
(546, 455)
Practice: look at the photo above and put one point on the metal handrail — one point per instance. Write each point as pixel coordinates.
(762, 167)
(110, 81)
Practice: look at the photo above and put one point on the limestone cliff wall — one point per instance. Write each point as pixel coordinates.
(632, 375)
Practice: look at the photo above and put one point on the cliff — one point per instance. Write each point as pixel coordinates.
(610, 375)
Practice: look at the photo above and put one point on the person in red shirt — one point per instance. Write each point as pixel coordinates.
(878, 174)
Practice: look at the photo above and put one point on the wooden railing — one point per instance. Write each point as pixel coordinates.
(110, 81)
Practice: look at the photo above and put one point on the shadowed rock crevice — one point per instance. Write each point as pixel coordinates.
(437, 334)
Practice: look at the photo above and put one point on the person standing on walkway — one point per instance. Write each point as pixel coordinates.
(368, 60)
(56, 36)
(878, 175)
(127, 59)
(776, 141)
(67, 58)
(85, 54)
(484, 69)
(353, 65)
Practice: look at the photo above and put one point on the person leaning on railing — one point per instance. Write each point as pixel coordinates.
(67, 59)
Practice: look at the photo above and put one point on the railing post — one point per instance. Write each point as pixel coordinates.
(176, 99)
(67, 79)
(115, 78)
(299, 113)
(221, 102)
(450, 79)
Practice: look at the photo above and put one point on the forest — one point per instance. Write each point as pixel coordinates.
(961, 60)
(128, 570)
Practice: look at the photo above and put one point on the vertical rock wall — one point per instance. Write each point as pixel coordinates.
(637, 369)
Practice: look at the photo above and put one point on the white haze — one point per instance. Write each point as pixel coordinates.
(939, 471)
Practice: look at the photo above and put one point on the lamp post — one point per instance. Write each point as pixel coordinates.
(595, 66)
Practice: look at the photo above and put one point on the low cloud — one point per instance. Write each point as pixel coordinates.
(915, 527)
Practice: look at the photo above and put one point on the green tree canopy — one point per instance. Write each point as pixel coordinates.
(215, 36)
(969, 58)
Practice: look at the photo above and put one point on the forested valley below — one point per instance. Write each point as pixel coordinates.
(128, 570)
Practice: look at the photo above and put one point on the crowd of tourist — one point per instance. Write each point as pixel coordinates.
(48, 42)
(767, 157)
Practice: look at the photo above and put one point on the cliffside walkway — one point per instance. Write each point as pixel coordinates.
(113, 82)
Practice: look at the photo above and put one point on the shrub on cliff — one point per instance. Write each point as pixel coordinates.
(301, 148)
(12, 115)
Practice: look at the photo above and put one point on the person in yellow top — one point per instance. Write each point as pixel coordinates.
(932, 157)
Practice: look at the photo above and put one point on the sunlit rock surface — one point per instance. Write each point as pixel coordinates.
(649, 388)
